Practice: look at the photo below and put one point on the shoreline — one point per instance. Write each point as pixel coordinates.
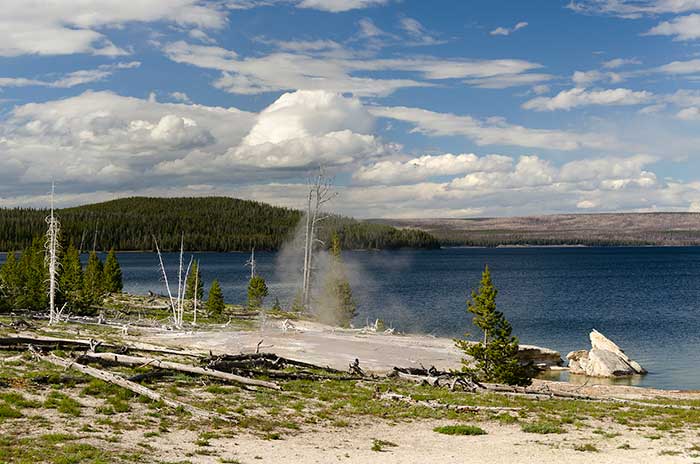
(379, 353)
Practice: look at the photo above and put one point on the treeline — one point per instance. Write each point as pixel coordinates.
(208, 224)
(24, 280)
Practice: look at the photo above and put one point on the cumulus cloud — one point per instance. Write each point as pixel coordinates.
(508, 30)
(99, 138)
(493, 131)
(60, 28)
(282, 71)
(577, 97)
(586, 78)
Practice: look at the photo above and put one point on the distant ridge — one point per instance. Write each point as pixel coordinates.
(208, 223)
(603, 229)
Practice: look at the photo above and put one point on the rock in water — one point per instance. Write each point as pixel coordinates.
(605, 359)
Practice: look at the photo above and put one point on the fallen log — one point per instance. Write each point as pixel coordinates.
(163, 364)
(132, 386)
(433, 404)
(265, 360)
(22, 342)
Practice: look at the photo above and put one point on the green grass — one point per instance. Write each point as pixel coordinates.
(64, 404)
(542, 428)
(460, 430)
(587, 447)
(380, 445)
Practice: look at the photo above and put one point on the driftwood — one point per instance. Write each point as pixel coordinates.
(433, 404)
(169, 365)
(23, 342)
(253, 361)
(436, 378)
(132, 386)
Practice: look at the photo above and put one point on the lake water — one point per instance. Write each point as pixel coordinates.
(645, 299)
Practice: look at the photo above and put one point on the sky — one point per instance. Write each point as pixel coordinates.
(447, 108)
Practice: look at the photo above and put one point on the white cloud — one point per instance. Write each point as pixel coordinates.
(181, 97)
(291, 71)
(60, 28)
(586, 78)
(681, 28)
(71, 79)
(418, 33)
(576, 97)
(339, 6)
(633, 8)
(680, 67)
(507, 30)
(620, 62)
(429, 166)
(492, 132)
(689, 114)
(99, 138)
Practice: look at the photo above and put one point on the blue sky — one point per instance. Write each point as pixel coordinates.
(419, 109)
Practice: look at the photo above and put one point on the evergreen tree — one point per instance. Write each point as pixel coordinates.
(276, 305)
(215, 302)
(257, 291)
(195, 279)
(112, 274)
(10, 282)
(337, 303)
(495, 357)
(33, 277)
(71, 280)
(92, 280)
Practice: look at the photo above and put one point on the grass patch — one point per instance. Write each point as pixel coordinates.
(460, 430)
(63, 404)
(542, 428)
(380, 445)
(587, 447)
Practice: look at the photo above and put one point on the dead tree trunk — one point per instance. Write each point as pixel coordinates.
(132, 386)
(162, 364)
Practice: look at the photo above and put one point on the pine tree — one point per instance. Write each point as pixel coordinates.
(215, 302)
(495, 357)
(92, 280)
(112, 274)
(195, 279)
(71, 280)
(257, 291)
(276, 305)
(10, 282)
(338, 305)
(33, 277)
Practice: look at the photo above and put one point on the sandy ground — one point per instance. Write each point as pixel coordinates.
(327, 346)
(417, 443)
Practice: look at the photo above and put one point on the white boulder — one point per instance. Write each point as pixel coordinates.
(605, 359)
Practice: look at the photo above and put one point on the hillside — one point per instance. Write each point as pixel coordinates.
(209, 224)
(614, 229)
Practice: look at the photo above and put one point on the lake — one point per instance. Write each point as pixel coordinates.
(645, 299)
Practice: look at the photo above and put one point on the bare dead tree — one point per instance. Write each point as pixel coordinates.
(320, 193)
(194, 303)
(252, 264)
(177, 305)
(52, 247)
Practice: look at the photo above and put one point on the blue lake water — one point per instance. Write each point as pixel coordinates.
(645, 299)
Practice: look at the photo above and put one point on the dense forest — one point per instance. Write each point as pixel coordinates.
(208, 224)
